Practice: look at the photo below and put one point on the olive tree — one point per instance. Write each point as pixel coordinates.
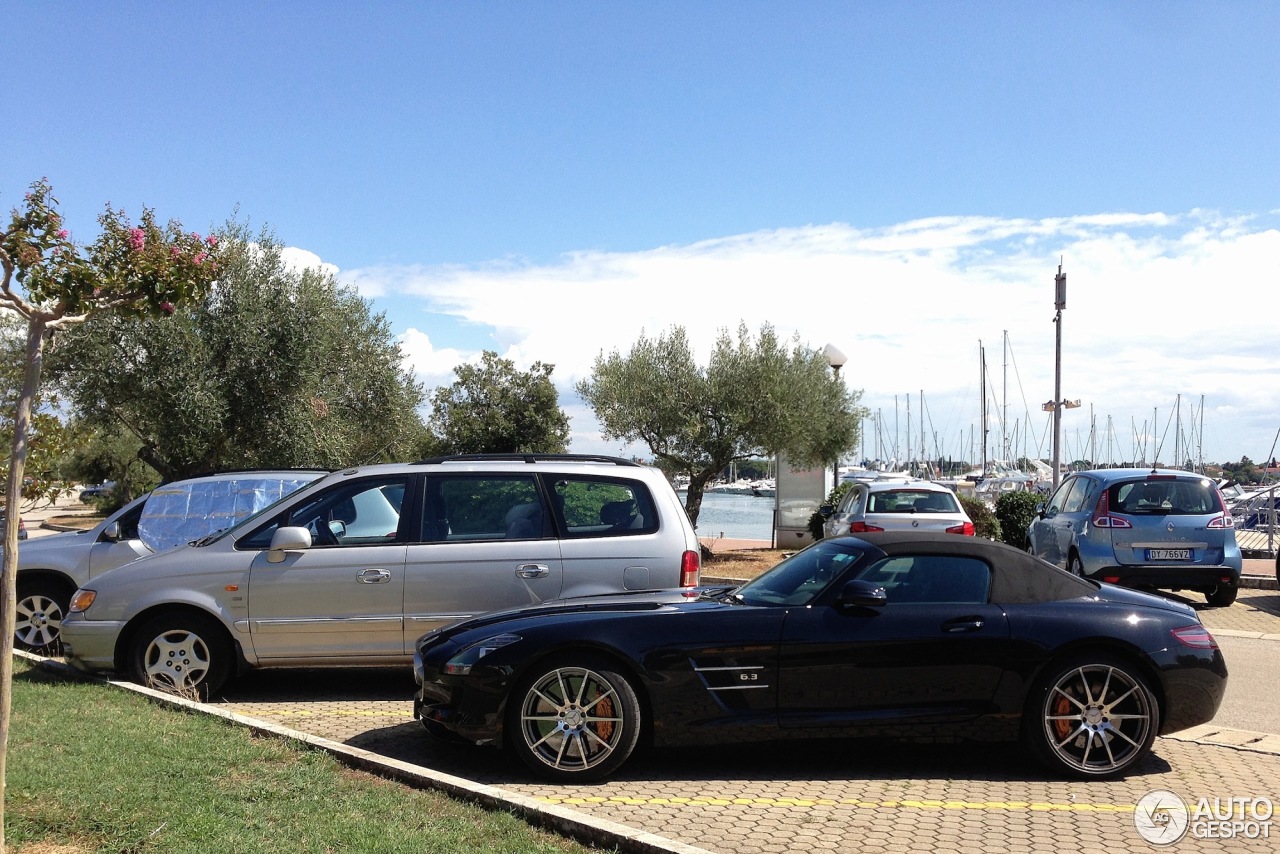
(495, 408)
(272, 368)
(757, 396)
(54, 283)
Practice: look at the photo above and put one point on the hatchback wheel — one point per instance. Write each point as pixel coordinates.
(38, 622)
(185, 654)
(1075, 566)
(1092, 717)
(1223, 595)
(574, 719)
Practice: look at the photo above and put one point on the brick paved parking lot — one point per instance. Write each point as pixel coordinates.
(838, 797)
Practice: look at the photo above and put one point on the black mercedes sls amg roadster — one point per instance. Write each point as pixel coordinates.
(887, 635)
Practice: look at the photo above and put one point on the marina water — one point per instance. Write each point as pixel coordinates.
(735, 517)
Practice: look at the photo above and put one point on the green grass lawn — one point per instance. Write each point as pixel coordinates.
(96, 769)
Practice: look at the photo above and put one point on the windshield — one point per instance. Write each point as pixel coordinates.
(192, 510)
(266, 499)
(801, 577)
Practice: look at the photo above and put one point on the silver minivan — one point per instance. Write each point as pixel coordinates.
(353, 568)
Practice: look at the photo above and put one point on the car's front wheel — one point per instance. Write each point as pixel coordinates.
(1092, 717)
(574, 719)
(38, 622)
(182, 653)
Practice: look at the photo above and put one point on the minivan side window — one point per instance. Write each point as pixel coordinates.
(603, 507)
(1059, 498)
(1079, 497)
(483, 507)
(357, 513)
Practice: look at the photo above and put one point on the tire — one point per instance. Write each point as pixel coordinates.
(181, 653)
(42, 603)
(1075, 566)
(574, 719)
(1091, 717)
(1223, 595)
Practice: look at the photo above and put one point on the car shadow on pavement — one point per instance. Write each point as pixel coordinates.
(797, 761)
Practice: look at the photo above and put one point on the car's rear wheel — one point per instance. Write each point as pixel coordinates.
(1092, 717)
(1223, 595)
(42, 604)
(1075, 566)
(574, 719)
(182, 653)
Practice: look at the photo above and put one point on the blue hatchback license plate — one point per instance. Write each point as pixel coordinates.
(1168, 554)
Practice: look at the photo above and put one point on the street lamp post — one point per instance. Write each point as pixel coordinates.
(1058, 404)
(836, 359)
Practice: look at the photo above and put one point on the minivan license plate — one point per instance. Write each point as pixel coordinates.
(1168, 554)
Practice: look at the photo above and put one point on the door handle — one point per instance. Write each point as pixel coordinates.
(373, 576)
(533, 570)
(963, 624)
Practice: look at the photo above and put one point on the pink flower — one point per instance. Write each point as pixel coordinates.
(166, 307)
(211, 240)
(174, 252)
(62, 234)
(137, 239)
(199, 259)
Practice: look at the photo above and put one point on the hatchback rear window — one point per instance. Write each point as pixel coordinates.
(911, 501)
(1165, 497)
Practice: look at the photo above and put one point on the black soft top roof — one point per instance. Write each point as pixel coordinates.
(1017, 577)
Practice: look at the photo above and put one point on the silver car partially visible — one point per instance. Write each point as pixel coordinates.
(51, 568)
(890, 505)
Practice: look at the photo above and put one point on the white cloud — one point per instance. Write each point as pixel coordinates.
(301, 259)
(1157, 305)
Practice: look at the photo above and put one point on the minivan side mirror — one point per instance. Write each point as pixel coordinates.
(287, 539)
(111, 533)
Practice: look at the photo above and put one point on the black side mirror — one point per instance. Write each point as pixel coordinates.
(1040, 509)
(826, 510)
(865, 594)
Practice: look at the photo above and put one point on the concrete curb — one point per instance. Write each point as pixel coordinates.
(584, 828)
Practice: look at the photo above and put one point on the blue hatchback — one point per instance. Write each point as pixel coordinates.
(1149, 528)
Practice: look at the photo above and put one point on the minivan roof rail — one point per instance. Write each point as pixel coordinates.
(528, 458)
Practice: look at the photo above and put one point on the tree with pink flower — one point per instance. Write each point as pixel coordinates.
(52, 282)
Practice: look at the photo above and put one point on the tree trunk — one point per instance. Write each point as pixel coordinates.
(9, 574)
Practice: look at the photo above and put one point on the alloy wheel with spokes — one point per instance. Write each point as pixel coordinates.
(185, 654)
(1095, 718)
(38, 621)
(575, 721)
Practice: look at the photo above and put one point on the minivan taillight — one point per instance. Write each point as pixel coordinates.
(965, 529)
(1102, 517)
(1222, 520)
(690, 564)
(863, 528)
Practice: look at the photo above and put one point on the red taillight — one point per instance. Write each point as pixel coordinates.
(22, 526)
(1195, 636)
(1222, 520)
(690, 564)
(1102, 517)
(863, 528)
(966, 529)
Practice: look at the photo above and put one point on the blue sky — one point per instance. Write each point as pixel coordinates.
(899, 179)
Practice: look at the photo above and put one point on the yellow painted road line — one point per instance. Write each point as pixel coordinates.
(859, 804)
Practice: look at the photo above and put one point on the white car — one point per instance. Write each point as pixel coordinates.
(51, 568)
(892, 505)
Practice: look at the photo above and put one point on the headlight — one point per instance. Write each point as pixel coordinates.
(461, 664)
(82, 600)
